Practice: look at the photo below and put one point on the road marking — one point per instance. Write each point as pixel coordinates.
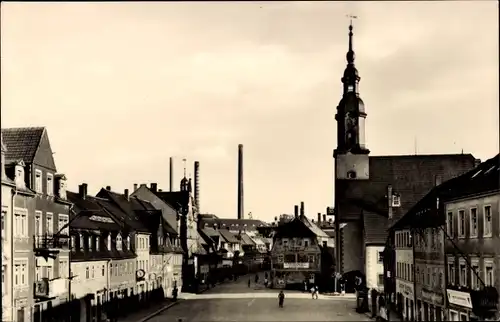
(251, 302)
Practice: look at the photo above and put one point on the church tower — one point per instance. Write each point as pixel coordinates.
(351, 155)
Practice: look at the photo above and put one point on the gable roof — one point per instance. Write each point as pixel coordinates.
(174, 198)
(480, 180)
(22, 143)
(246, 240)
(313, 227)
(146, 210)
(228, 236)
(411, 176)
(294, 228)
(131, 218)
(84, 209)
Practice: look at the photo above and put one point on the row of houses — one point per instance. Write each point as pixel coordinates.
(72, 256)
(442, 258)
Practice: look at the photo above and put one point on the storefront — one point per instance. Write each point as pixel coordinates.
(430, 306)
(459, 305)
(406, 293)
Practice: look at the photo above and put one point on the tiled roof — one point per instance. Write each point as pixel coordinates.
(411, 176)
(211, 232)
(294, 228)
(314, 228)
(174, 198)
(246, 240)
(90, 206)
(482, 179)
(22, 143)
(131, 218)
(228, 236)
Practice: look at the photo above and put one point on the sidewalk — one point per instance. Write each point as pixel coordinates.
(147, 313)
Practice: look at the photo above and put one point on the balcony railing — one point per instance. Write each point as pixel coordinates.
(51, 242)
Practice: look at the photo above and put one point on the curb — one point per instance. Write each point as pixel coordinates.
(157, 312)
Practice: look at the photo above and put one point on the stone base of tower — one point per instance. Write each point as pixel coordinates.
(352, 257)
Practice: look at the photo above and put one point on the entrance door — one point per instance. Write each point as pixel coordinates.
(20, 315)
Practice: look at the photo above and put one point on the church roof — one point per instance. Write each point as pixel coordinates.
(411, 176)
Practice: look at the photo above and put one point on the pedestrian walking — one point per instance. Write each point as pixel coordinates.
(316, 292)
(305, 286)
(265, 282)
(281, 298)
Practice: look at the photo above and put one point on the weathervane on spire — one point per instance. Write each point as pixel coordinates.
(350, 18)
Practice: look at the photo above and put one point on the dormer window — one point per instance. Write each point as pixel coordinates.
(351, 174)
(82, 243)
(89, 246)
(119, 242)
(109, 242)
(128, 243)
(97, 243)
(50, 184)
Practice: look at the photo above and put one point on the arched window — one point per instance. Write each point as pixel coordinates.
(119, 242)
(109, 242)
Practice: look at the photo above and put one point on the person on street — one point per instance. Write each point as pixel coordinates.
(265, 282)
(316, 292)
(281, 298)
(305, 286)
(249, 282)
(174, 293)
(256, 278)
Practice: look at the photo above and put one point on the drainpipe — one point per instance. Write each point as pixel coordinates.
(11, 240)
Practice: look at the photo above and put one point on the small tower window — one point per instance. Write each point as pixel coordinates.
(351, 174)
(350, 88)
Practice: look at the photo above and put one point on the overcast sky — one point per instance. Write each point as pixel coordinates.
(121, 87)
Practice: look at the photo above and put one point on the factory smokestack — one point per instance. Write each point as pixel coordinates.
(240, 181)
(171, 174)
(197, 184)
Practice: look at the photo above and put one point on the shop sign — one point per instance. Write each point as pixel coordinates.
(404, 288)
(296, 265)
(432, 297)
(459, 298)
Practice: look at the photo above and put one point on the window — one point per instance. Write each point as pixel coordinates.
(109, 242)
(63, 227)
(20, 224)
(21, 273)
(103, 270)
(38, 181)
(89, 245)
(450, 224)
(50, 273)
(461, 222)
(97, 243)
(487, 221)
(473, 222)
(306, 243)
(87, 275)
(489, 279)
(463, 274)
(464, 317)
(380, 279)
(50, 184)
(17, 271)
(73, 243)
(50, 224)
(4, 216)
(93, 272)
(4, 271)
(474, 274)
(380, 257)
(38, 223)
(119, 242)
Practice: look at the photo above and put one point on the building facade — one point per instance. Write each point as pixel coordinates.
(473, 245)
(405, 287)
(31, 157)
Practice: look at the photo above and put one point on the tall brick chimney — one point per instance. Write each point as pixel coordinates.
(171, 174)
(126, 194)
(154, 187)
(302, 209)
(296, 211)
(197, 184)
(108, 188)
(240, 182)
(324, 218)
(135, 186)
(319, 217)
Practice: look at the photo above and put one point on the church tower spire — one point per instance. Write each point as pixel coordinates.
(350, 119)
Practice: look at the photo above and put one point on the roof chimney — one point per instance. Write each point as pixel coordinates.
(154, 187)
(301, 209)
(82, 190)
(108, 188)
(296, 211)
(171, 174)
(135, 186)
(477, 162)
(319, 217)
(324, 218)
(125, 193)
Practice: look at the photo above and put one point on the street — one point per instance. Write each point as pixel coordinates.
(236, 302)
